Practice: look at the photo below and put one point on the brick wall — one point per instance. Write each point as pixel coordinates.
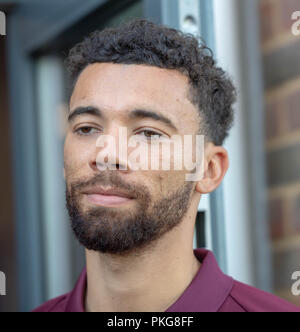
(281, 65)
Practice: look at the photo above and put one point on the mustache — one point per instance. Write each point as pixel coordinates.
(109, 179)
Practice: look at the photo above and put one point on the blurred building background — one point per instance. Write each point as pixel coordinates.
(281, 72)
(252, 222)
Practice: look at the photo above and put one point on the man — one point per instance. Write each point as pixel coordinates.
(137, 225)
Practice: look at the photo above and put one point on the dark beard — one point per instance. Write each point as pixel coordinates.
(111, 230)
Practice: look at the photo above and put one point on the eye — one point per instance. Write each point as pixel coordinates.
(148, 134)
(86, 131)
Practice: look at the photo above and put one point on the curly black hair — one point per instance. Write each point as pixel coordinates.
(144, 42)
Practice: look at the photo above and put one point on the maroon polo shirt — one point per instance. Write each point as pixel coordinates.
(210, 291)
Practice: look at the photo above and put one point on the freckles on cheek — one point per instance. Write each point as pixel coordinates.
(165, 182)
(169, 181)
(160, 179)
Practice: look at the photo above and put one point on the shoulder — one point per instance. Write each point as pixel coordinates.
(245, 298)
(69, 302)
(57, 304)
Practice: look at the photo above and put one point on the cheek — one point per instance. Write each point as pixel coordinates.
(179, 160)
(77, 156)
(165, 182)
(170, 173)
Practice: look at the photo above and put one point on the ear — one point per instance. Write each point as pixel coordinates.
(216, 164)
(64, 173)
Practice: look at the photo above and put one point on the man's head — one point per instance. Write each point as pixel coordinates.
(151, 80)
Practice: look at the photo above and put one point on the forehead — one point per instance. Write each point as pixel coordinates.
(120, 88)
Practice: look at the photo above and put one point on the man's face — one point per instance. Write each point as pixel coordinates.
(146, 101)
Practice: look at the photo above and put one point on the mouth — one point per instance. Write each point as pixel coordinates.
(108, 197)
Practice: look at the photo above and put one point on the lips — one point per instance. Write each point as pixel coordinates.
(107, 197)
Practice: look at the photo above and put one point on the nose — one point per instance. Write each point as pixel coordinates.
(111, 151)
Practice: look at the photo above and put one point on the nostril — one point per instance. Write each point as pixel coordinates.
(100, 166)
(121, 167)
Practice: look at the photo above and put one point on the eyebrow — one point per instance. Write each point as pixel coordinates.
(85, 110)
(152, 115)
(139, 113)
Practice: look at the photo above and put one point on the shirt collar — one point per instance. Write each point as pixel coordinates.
(208, 290)
(206, 293)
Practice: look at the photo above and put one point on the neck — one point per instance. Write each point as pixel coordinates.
(151, 280)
